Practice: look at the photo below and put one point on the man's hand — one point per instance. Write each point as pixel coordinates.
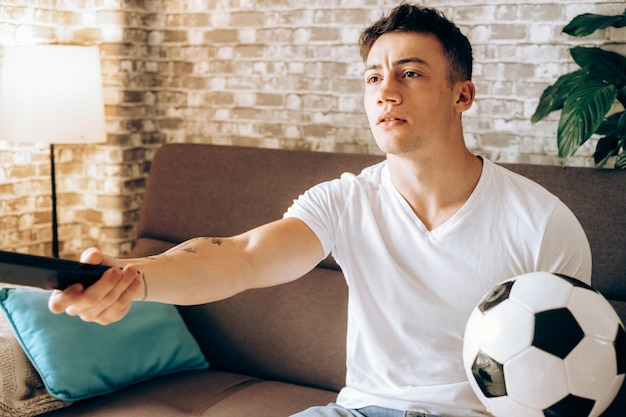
(106, 301)
(197, 271)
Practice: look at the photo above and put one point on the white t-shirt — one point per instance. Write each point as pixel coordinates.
(411, 290)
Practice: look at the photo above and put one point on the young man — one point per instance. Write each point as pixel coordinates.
(420, 237)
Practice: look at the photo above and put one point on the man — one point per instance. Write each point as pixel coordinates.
(420, 237)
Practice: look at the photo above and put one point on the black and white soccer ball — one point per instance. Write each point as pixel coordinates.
(544, 344)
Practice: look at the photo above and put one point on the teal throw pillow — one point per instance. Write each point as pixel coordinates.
(78, 360)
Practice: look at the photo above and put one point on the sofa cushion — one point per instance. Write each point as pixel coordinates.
(202, 393)
(77, 360)
(270, 399)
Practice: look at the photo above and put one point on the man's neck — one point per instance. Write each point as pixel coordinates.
(435, 188)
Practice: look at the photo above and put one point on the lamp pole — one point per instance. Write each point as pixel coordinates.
(55, 222)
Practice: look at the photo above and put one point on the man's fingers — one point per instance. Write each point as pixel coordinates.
(60, 300)
(75, 298)
(91, 256)
(117, 310)
(109, 300)
(95, 257)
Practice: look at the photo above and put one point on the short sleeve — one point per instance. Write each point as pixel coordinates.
(565, 248)
(320, 208)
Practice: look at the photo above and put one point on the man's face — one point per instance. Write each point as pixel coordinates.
(408, 98)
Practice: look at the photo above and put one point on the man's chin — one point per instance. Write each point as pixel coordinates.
(394, 147)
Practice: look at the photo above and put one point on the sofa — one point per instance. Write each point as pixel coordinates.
(276, 351)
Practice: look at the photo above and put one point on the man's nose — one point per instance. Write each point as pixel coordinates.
(389, 91)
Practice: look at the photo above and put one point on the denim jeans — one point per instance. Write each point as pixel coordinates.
(335, 410)
(388, 412)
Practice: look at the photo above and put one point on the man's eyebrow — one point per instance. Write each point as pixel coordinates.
(401, 61)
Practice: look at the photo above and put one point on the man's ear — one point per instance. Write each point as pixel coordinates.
(465, 93)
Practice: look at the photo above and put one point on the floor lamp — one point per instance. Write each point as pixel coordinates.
(51, 94)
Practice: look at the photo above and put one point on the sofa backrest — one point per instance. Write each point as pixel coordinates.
(296, 332)
(197, 189)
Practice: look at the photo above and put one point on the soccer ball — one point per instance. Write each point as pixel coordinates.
(544, 344)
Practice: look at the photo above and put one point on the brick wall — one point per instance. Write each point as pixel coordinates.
(268, 73)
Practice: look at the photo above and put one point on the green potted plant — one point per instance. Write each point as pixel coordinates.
(587, 96)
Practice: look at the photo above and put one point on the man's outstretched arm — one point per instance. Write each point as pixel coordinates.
(197, 271)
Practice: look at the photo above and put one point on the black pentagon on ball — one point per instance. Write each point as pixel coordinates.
(557, 332)
(570, 406)
(495, 296)
(489, 375)
(576, 282)
(620, 349)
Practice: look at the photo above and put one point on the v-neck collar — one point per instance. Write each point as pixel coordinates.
(455, 218)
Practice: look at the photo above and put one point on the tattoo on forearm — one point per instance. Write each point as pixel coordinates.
(184, 247)
(145, 286)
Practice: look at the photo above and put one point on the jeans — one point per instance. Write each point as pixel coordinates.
(335, 410)
(388, 412)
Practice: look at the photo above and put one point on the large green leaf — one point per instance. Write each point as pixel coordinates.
(583, 112)
(607, 147)
(610, 124)
(614, 140)
(587, 23)
(554, 96)
(609, 65)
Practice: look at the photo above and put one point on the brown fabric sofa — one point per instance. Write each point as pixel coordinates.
(277, 351)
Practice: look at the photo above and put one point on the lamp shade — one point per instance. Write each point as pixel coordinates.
(51, 94)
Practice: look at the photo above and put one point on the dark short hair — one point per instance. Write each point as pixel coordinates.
(411, 18)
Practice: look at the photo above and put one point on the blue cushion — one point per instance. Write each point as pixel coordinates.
(78, 360)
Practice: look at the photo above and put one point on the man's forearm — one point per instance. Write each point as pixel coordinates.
(209, 269)
(197, 271)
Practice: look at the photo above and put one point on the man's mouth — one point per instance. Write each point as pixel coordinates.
(389, 119)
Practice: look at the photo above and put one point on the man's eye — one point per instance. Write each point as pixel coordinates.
(411, 74)
(372, 79)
